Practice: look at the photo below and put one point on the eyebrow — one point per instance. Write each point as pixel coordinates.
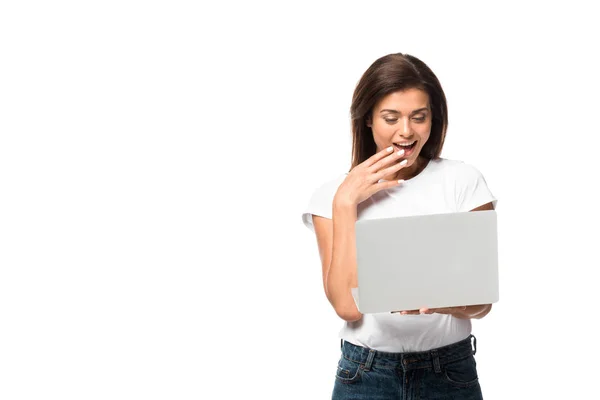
(398, 112)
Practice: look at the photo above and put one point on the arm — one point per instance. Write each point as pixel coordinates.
(481, 310)
(336, 237)
(477, 311)
(466, 312)
(337, 248)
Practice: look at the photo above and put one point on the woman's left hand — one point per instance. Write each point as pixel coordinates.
(464, 312)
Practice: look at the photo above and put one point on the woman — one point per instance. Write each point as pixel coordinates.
(399, 121)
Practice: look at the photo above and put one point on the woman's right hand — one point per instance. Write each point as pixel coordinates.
(362, 181)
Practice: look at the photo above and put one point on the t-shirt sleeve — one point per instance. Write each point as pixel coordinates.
(471, 189)
(321, 202)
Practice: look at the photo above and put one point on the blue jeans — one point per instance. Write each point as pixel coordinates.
(447, 372)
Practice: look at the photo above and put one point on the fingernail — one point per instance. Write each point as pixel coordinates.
(404, 162)
(401, 181)
(390, 148)
(400, 153)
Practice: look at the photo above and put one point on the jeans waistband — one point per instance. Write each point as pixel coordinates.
(412, 360)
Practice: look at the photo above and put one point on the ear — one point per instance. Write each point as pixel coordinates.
(369, 122)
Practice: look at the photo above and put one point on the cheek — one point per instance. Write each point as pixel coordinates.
(382, 134)
(424, 133)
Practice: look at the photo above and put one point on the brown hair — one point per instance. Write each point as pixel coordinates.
(390, 74)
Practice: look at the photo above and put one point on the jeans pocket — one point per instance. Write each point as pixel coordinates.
(348, 371)
(462, 373)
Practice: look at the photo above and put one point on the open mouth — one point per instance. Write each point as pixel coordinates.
(407, 147)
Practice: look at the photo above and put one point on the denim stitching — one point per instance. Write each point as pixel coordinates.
(349, 379)
(379, 364)
(458, 383)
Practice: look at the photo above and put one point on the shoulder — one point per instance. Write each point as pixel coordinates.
(326, 189)
(456, 169)
(321, 200)
(466, 183)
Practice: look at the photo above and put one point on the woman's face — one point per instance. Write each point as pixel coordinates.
(402, 119)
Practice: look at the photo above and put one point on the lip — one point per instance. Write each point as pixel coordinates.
(414, 141)
(407, 153)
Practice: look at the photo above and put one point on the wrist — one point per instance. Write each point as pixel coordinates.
(343, 204)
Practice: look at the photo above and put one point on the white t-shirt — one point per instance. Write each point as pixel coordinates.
(444, 186)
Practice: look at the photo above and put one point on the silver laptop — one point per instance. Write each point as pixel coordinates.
(439, 260)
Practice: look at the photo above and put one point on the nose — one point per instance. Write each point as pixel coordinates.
(405, 131)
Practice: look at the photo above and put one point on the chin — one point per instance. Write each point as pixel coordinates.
(412, 159)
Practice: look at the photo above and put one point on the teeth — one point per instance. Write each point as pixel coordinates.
(405, 144)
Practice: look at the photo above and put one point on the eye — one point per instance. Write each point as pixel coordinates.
(419, 119)
(391, 120)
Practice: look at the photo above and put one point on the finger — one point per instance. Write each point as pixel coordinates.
(425, 310)
(390, 170)
(407, 312)
(445, 310)
(377, 186)
(377, 166)
(378, 156)
(452, 310)
(410, 312)
(384, 185)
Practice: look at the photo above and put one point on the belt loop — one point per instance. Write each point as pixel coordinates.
(474, 344)
(436, 361)
(370, 359)
(341, 343)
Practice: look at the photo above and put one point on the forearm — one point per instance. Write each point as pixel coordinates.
(342, 275)
(474, 312)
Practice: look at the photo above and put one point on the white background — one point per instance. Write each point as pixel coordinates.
(155, 159)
